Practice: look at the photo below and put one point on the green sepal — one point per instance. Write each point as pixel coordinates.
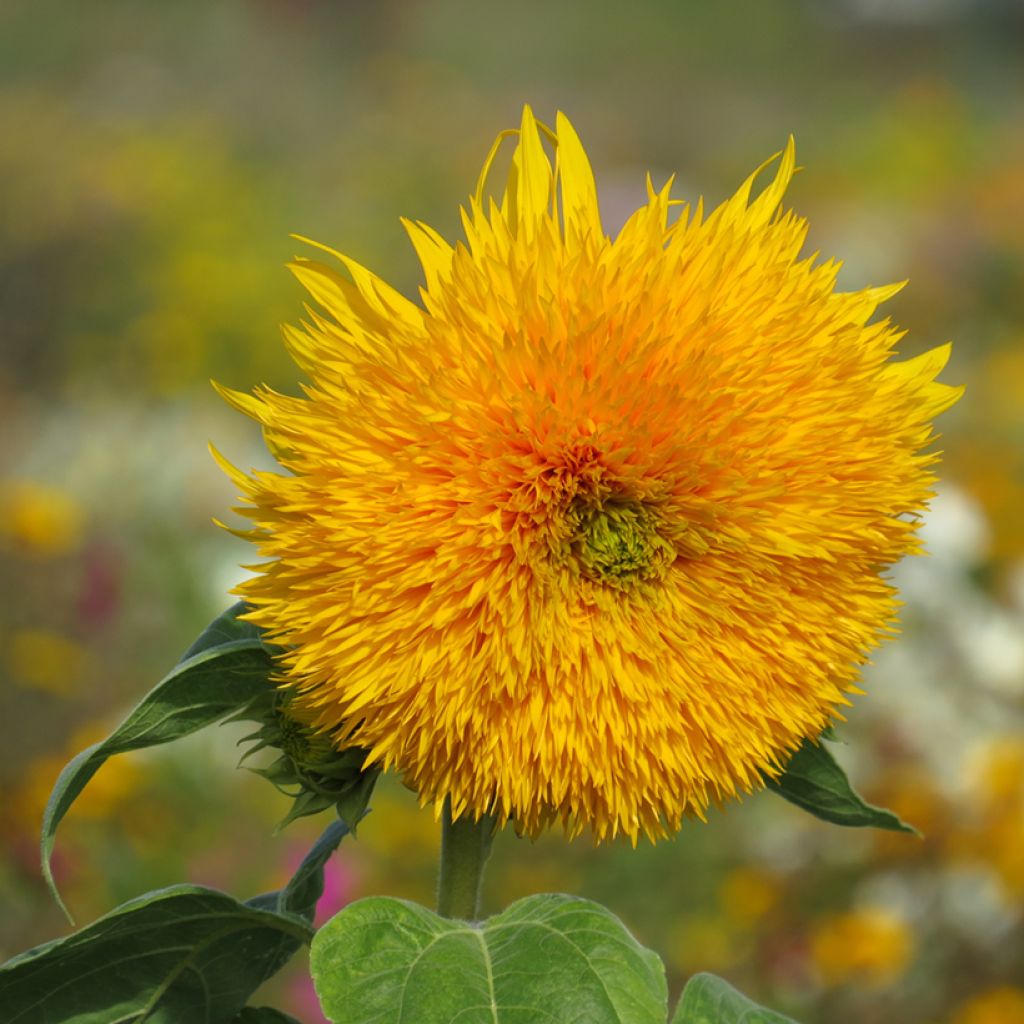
(815, 782)
(707, 999)
(185, 953)
(545, 958)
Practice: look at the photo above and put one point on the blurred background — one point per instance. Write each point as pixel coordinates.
(153, 160)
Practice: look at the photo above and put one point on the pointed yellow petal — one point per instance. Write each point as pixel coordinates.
(245, 403)
(757, 213)
(301, 348)
(492, 155)
(377, 293)
(533, 176)
(939, 397)
(330, 290)
(579, 192)
(235, 475)
(434, 253)
(922, 368)
(862, 304)
(768, 201)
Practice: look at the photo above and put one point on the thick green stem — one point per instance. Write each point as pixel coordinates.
(465, 847)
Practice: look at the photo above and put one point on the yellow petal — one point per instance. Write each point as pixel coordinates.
(531, 176)
(579, 192)
(384, 300)
(925, 367)
(434, 253)
(250, 405)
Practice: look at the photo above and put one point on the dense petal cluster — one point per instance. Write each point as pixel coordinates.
(596, 532)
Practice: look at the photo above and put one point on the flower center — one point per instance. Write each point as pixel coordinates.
(617, 542)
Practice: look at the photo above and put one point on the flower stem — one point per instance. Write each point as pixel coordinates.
(465, 847)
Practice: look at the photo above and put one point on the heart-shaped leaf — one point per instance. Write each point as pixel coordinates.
(223, 672)
(546, 958)
(710, 1000)
(816, 783)
(185, 953)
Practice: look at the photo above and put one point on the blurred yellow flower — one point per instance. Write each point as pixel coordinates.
(1000, 772)
(596, 533)
(747, 894)
(991, 829)
(1003, 1005)
(38, 518)
(869, 946)
(43, 660)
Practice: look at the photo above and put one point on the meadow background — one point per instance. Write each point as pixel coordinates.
(153, 160)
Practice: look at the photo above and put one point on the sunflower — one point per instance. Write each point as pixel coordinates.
(596, 531)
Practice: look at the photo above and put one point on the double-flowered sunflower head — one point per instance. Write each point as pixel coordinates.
(596, 530)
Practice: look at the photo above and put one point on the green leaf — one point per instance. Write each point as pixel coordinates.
(185, 953)
(225, 670)
(710, 1000)
(545, 959)
(816, 783)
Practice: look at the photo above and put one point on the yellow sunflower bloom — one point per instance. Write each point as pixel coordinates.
(595, 531)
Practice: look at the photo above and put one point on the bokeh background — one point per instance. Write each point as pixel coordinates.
(153, 160)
